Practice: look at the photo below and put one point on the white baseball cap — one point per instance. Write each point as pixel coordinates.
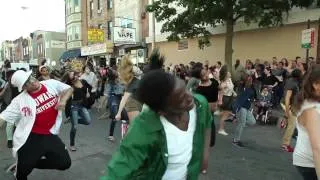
(19, 78)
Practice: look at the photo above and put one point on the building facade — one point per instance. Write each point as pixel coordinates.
(76, 23)
(7, 51)
(48, 45)
(249, 42)
(26, 49)
(131, 26)
(17, 50)
(101, 16)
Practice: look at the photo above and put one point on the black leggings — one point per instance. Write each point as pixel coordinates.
(213, 132)
(307, 173)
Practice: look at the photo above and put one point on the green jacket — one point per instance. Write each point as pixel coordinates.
(143, 153)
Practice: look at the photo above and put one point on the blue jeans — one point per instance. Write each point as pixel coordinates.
(113, 104)
(79, 115)
(244, 116)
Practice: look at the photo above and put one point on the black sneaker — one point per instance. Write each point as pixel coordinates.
(238, 144)
(9, 144)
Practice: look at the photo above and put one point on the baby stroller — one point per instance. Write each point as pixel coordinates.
(262, 109)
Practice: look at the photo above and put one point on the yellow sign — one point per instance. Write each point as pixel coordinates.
(96, 35)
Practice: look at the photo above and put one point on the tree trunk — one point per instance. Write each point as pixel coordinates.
(228, 44)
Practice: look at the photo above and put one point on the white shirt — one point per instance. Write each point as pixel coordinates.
(179, 145)
(303, 155)
(22, 112)
(227, 87)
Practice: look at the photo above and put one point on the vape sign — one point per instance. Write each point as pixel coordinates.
(124, 35)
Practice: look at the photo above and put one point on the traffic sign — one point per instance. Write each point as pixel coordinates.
(307, 40)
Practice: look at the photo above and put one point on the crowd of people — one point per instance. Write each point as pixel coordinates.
(172, 128)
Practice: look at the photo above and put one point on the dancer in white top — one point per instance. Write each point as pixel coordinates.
(307, 152)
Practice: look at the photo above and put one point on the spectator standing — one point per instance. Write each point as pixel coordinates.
(292, 89)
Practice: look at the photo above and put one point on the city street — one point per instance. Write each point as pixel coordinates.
(261, 159)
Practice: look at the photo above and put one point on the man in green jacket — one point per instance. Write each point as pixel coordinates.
(168, 140)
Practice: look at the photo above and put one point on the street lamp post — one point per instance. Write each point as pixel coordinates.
(153, 29)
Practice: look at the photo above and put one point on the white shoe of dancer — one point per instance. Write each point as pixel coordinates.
(223, 132)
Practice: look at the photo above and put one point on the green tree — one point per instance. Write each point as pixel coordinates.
(193, 17)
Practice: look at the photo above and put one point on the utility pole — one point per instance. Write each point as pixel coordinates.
(318, 44)
(153, 29)
(307, 50)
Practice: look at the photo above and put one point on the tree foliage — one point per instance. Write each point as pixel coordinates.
(191, 18)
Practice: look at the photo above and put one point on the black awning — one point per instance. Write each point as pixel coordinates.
(129, 46)
(73, 53)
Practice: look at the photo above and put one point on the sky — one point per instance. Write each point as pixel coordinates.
(17, 21)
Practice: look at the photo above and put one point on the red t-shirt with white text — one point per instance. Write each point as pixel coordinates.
(46, 113)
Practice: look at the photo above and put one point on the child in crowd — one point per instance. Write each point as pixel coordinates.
(264, 100)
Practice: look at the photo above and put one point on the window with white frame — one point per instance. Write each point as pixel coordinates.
(68, 7)
(76, 4)
(69, 34)
(99, 5)
(109, 30)
(126, 22)
(91, 9)
(109, 4)
(77, 32)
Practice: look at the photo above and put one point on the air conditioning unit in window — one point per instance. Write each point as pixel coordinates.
(99, 11)
(122, 52)
(141, 55)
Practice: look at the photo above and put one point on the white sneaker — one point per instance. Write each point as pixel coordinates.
(223, 132)
(12, 168)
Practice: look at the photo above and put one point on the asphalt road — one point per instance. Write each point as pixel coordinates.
(261, 159)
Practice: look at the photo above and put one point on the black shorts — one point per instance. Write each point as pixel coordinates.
(227, 103)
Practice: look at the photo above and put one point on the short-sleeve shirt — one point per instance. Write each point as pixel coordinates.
(46, 111)
(293, 85)
(210, 92)
(269, 80)
(132, 87)
(281, 73)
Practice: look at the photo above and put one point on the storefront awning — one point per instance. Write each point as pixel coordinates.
(74, 53)
(128, 46)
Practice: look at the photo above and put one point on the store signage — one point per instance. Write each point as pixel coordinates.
(96, 35)
(124, 35)
(58, 44)
(307, 40)
(96, 49)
